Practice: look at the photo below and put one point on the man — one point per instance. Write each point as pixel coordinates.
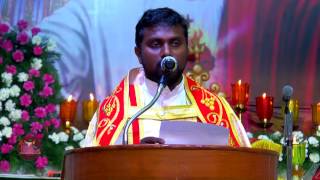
(160, 32)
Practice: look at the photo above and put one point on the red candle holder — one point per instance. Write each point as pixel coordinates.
(68, 109)
(240, 96)
(264, 105)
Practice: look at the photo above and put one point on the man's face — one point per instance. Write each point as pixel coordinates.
(158, 42)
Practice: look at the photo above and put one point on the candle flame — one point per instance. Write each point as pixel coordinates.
(239, 82)
(91, 97)
(264, 95)
(318, 104)
(69, 98)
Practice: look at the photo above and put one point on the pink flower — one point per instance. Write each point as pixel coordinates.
(4, 28)
(6, 148)
(23, 38)
(25, 100)
(4, 166)
(18, 56)
(1, 59)
(17, 129)
(50, 108)
(34, 72)
(28, 85)
(7, 45)
(12, 140)
(35, 31)
(41, 162)
(40, 112)
(36, 127)
(46, 91)
(25, 116)
(37, 50)
(39, 136)
(48, 79)
(22, 24)
(47, 123)
(11, 69)
(55, 122)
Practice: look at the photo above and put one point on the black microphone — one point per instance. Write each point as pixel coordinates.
(287, 92)
(168, 64)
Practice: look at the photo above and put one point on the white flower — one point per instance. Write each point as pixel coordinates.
(74, 130)
(63, 137)
(4, 94)
(51, 46)
(54, 137)
(318, 133)
(10, 105)
(263, 137)
(84, 131)
(0, 136)
(7, 131)
(82, 143)
(4, 121)
(36, 40)
(6, 78)
(314, 157)
(282, 141)
(276, 135)
(313, 141)
(298, 135)
(36, 63)
(15, 114)
(15, 91)
(249, 135)
(280, 157)
(22, 77)
(68, 148)
(0, 106)
(78, 137)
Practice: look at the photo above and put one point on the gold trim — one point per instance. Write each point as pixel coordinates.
(231, 116)
(126, 104)
(193, 101)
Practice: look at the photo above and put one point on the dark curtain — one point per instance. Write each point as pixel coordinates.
(271, 43)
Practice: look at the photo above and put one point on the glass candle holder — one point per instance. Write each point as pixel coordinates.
(298, 153)
(293, 106)
(240, 96)
(264, 107)
(316, 114)
(89, 107)
(68, 109)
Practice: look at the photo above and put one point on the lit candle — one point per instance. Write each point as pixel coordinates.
(240, 94)
(264, 105)
(68, 109)
(89, 107)
(316, 114)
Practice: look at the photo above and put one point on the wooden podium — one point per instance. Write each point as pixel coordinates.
(169, 162)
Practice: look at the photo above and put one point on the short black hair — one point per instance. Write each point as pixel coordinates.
(160, 16)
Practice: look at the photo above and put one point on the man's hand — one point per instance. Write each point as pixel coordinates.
(152, 140)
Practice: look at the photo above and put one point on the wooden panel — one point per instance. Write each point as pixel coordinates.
(169, 162)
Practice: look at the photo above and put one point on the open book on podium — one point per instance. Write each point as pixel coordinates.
(191, 133)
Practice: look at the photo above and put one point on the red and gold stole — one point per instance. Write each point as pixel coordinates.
(113, 112)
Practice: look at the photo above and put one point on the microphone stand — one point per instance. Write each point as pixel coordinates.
(162, 85)
(288, 139)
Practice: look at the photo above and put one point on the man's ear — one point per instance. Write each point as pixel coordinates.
(137, 50)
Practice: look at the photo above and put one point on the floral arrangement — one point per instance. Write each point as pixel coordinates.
(30, 134)
(312, 150)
